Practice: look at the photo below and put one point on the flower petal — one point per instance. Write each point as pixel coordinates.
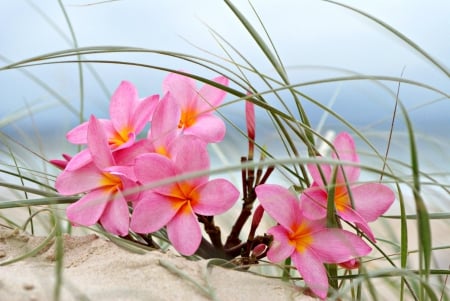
(190, 154)
(346, 245)
(152, 212)
(116, 217)
(127, 156)
(181, 87)
(281, 204)
(154, 167)
(98, 144)
(144, 112)
(78, 135)
(281, 248)
(210, 97)
(88, 210)
(165, 123)
(317, 171)
(313, 272)
(349, 214)
(346, 151)
(123, 101)
(313, 202)
(214, 197)
(83, 179)
(79, 160)
(184, 231)
(208, 127)
(372, 200)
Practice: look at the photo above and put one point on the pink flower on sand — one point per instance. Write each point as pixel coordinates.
(104, 183)
(197, 107)
(362, 204)
(176, 205)
(308, 242)
(129, 116)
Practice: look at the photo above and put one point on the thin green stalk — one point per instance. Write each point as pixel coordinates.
(80, 65)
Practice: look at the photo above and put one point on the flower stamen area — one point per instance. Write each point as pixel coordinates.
(301, 237)
(120, 137)
(109, 181)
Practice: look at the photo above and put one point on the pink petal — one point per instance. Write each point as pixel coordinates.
(281, 204)
(313, 272)
(165, 122)
(208, 127)
(317, 171)
(153, 167)
(346, 245)
(88, 210)
(346, 150)
(98, 144)
(78, 135)
(79, 160)
(144, 112)
(152, 212)
(215, 197)
(83, 179)
(182, 89)
(123, 101)
(184, 231)
(281, 248)
(350, 215)
(190, 154)
(313, 202)
(211, 97)
(372, 200)
(116, 217)
(127, 156)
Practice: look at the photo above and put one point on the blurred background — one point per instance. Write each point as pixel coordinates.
(314, 39)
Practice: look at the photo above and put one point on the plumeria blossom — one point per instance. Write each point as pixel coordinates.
(176, 205)
(103, 182)
(307, 242)
(197, 106)
(355, 203)
(129, 116)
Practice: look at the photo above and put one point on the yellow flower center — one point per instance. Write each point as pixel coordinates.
(187, 119)
(341, 198)
(184, 197)
(109, 181)
(301, 238)
(120, 137)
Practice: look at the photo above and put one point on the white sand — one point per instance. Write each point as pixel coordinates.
(97, 269)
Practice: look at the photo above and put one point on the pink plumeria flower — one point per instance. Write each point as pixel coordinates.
(362, 204)
(104, 184)
(197, 106)
(176, 205)
(129, 115)
(308, 242)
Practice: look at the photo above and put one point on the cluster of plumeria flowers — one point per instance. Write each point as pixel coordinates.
(115, 175)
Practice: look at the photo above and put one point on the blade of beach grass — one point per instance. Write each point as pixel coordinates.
(22, 182)
(423, 221)
(80, 65)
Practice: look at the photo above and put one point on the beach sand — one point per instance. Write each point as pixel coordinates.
(97, 269)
